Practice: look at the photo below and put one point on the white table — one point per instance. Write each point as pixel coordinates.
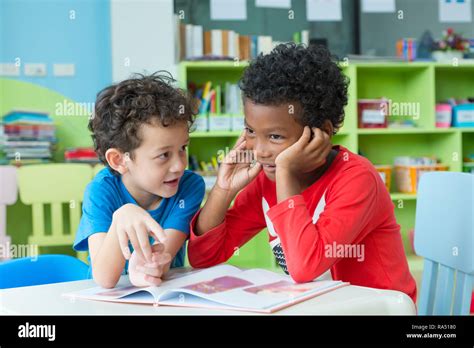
(47, 300)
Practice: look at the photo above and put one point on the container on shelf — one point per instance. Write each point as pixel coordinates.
(447, 56)
(238, 123)
(407, 177)
(443, 115)
(463, 115)
(385, 172)
(201, 124)
(220, 122)
(372, 113)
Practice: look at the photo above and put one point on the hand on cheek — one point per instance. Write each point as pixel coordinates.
(307, 154)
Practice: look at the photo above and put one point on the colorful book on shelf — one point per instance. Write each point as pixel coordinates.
(194, 44)
(216, 43)
(27, 143)
(28, 128)
(212, 103)
(253, 46)
(25, 161)
(26, 117)
(220, 287)
(28, 135)
(206, 95)
(301, 37)
(81, 154)
(264, 44)
(218, 99)
(244, 47)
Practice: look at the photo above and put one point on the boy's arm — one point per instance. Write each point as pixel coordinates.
(235, 228)
(109, 250)
(107, 259)
(217, 232)
(214, 210)
(350, 209)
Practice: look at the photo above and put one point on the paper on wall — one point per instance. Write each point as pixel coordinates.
(273, 3)
(378, 6)
(323, 10)
(455, 11)
(229, 10)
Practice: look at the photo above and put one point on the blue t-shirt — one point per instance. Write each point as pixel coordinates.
(107, 193)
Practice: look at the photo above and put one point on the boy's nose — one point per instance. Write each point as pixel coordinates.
(261, 151)
(178, 166)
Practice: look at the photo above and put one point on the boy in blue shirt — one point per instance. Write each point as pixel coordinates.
(136, 211)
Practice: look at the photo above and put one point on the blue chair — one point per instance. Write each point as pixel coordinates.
(43, 269)
(444, 236)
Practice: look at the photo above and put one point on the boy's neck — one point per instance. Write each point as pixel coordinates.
(144, 199)
(308, 179)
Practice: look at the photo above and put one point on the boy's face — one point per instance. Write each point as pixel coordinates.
(159, 162)
(269, 131)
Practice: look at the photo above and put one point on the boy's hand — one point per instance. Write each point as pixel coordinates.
(306, 154)
(238, 169)
(134, 224)
(143, 273)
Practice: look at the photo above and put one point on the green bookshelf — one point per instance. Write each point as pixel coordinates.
(422, 83)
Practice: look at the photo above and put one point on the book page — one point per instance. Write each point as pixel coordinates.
(176, 279)
(252, 289)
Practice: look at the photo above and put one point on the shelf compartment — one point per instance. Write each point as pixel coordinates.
(407, 86)
(383, 148)
(454, 82)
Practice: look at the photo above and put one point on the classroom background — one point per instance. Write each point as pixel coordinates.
(410, 110)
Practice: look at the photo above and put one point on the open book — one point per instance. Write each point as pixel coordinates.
(219, 287)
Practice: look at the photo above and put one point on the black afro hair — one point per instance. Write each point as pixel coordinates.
(294, 73)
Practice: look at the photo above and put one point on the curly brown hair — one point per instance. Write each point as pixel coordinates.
(122, 108)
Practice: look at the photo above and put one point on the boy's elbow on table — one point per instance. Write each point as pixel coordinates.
(104, 281)
(301, 276)
(304, 272)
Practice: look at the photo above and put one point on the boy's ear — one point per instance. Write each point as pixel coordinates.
(116, 160)
(328, 128)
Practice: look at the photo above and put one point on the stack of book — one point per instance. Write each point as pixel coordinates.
(196, 44)
(81, 155)
(2, 140)
(29, 137)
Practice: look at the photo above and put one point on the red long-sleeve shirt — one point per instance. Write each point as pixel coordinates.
(343, 222)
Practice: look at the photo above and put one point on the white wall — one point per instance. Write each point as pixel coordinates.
(143, 37)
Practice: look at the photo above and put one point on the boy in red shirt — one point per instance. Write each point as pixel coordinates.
(325, 208)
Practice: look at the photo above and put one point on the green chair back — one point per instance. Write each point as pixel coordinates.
(54, 185)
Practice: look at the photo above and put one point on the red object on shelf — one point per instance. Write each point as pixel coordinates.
(80, 153)
(373, 113)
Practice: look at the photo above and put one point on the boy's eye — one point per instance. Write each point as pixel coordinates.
(184, 147)
(163, 155)
(275, 137)
(249, 131)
